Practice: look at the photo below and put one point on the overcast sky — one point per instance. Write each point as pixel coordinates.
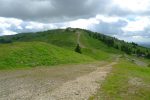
(124, 19)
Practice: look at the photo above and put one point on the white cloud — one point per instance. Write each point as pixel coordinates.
(108, 19)
(134, 5)
(139, 24)
(8, 32)
(138, 39)
(9, 26)
(88, 23)
(83, 23)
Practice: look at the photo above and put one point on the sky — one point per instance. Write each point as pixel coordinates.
(127, 20)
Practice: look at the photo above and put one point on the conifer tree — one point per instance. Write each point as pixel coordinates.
(78, 49)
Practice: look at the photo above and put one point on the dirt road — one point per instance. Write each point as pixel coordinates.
(78, 40)
(81, 88)
(68, 82)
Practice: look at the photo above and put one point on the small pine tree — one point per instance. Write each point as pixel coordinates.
(78, 49)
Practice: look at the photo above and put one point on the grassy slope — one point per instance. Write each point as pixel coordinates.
(96, 48)
(31, 54)
(68, 40)
(61, 38)
(127, 81)
(19, 53)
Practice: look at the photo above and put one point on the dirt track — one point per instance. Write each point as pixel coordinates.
(78, 40)
(81, 88)
(69, 82)
(26, 84)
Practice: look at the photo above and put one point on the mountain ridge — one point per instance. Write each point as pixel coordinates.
(93, 45)
(56, 37)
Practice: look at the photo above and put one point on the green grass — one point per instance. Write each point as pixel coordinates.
(97, 49)
(32, 54)
(27, 49)
(117, 85)
(61, 38)
(96, 54)
(96, 44)
(68, 40)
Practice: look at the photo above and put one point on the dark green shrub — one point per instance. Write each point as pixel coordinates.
(78, 49)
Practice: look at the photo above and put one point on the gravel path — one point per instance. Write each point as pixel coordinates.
(37, 83)
(79, 89)
(69, 82)
(78, 40)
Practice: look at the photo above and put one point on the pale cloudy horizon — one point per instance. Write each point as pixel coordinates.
(128, 20)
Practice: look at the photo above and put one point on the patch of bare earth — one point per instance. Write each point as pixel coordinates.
(136, 83)
(72, 82)
(78, 40)
(79, 89)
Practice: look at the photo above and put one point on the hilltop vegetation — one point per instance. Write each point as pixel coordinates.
(66, 38)
(57, 37)
(128, 48)
(58, 47)
(32, 54)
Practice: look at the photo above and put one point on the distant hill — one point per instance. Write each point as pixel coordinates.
(145, 45)
(67, 39)
(57, 47)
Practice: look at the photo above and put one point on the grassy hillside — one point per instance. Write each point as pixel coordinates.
(127, 81)
(128, 48)
(93, 46)
(32, 54)
(35, 49)
(59, 37)
(67, 38)
(97, 49)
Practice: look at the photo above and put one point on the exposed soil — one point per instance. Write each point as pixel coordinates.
(66, 82)
(138, 82)
(140, 63)
(81, 88)
(78, 40)
(136, 61)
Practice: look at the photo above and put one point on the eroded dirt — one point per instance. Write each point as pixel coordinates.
(78, 40)
(81, 88)
(72, 82)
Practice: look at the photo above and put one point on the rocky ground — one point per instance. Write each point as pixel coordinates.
(65, 82)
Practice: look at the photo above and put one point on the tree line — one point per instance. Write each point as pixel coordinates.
(129, 48)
